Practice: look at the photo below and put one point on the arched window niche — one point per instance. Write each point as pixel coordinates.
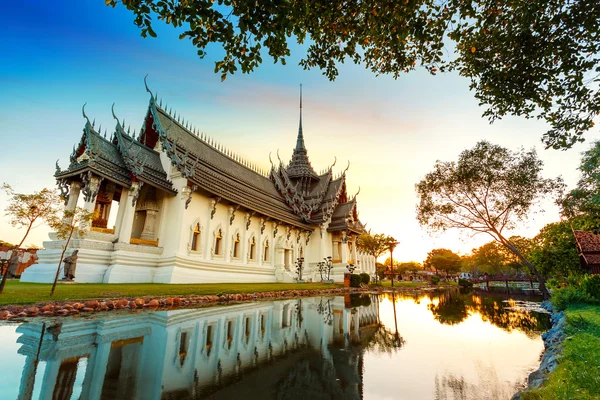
(195, 243)
(217, 250)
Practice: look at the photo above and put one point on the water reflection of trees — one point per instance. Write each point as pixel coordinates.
(453, 307)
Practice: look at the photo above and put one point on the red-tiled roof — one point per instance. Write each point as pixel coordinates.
(588, 242)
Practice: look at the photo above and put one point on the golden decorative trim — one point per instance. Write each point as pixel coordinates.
(125, 342)
(110, 231)
(144, 242)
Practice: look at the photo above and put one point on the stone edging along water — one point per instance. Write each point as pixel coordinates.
(553, 340)
(73, 307)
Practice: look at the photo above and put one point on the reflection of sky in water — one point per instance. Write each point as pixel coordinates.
(460, 361)
(11, 361)
(467, 357)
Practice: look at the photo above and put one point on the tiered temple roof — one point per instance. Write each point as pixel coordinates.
(294, 194)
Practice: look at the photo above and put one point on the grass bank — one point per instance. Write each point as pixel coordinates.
(577, 375)
(20, 293)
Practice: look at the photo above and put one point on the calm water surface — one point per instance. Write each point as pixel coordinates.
(445, 345)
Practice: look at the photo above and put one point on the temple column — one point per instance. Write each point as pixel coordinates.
(260, 248)
(228, 242)
(323, 243)
(344, 248)
(273, 245)
(127, 202)
(151, 207)
(96, 370)
(210, 213)
(74, 190)
(245, 245)
(90, 191)
(27, 378)
(121, 211)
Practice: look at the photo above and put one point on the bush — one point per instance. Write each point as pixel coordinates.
(365, 278)
(591, 286)
(562, 298)
(355, 280)
(465, 283)
(435, 280)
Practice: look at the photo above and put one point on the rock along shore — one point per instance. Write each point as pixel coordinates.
(553, 340)
(66, 308)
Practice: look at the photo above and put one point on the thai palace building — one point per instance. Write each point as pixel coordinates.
(190, 210)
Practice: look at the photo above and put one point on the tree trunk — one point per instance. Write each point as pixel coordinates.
(541, 281)
(15, 252)
(61, 260)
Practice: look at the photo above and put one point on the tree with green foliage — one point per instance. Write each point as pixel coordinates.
(374, 244)
(555, 251)
(25, 210)
(495, 259)
(490, 190)
(532, 58)
(444, 260)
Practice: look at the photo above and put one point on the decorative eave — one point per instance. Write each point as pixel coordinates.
(143, 162)
(96, 154)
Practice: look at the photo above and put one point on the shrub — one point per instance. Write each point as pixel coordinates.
(562, 298)
(465, 283)
(435, 280)
(355, 280)
(365, 278)
(591, 286)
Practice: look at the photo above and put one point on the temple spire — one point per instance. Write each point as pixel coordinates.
(300, 140)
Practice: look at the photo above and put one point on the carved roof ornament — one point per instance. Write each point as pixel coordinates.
(232, 212)
(191, 189)
(214, 201)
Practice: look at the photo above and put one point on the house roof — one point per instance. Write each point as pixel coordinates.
(588, 246)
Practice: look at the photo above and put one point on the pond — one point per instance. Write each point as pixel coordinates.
(435, 345)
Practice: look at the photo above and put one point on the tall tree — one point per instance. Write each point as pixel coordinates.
(535, 58)
(374, 244)
(24, 210)
(490, 189)
(443, 259)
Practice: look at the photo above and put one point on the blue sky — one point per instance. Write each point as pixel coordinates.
(56, 56)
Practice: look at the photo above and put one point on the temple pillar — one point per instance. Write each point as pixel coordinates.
(212, 209)
(127, 202)
(323, 242)
(273, 245)
(344, 248)
(151, 207)
(49, 379)
(245, 245)
(74, 190)
(227, 240)
(90, 191)
(260, 247)
(121, 211)
(354, 252)
(96, 370)
(28, 378)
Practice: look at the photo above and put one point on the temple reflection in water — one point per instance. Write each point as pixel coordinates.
(284, 349)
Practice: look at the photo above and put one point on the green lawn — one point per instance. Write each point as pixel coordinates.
(27, 293)
(577, 375)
